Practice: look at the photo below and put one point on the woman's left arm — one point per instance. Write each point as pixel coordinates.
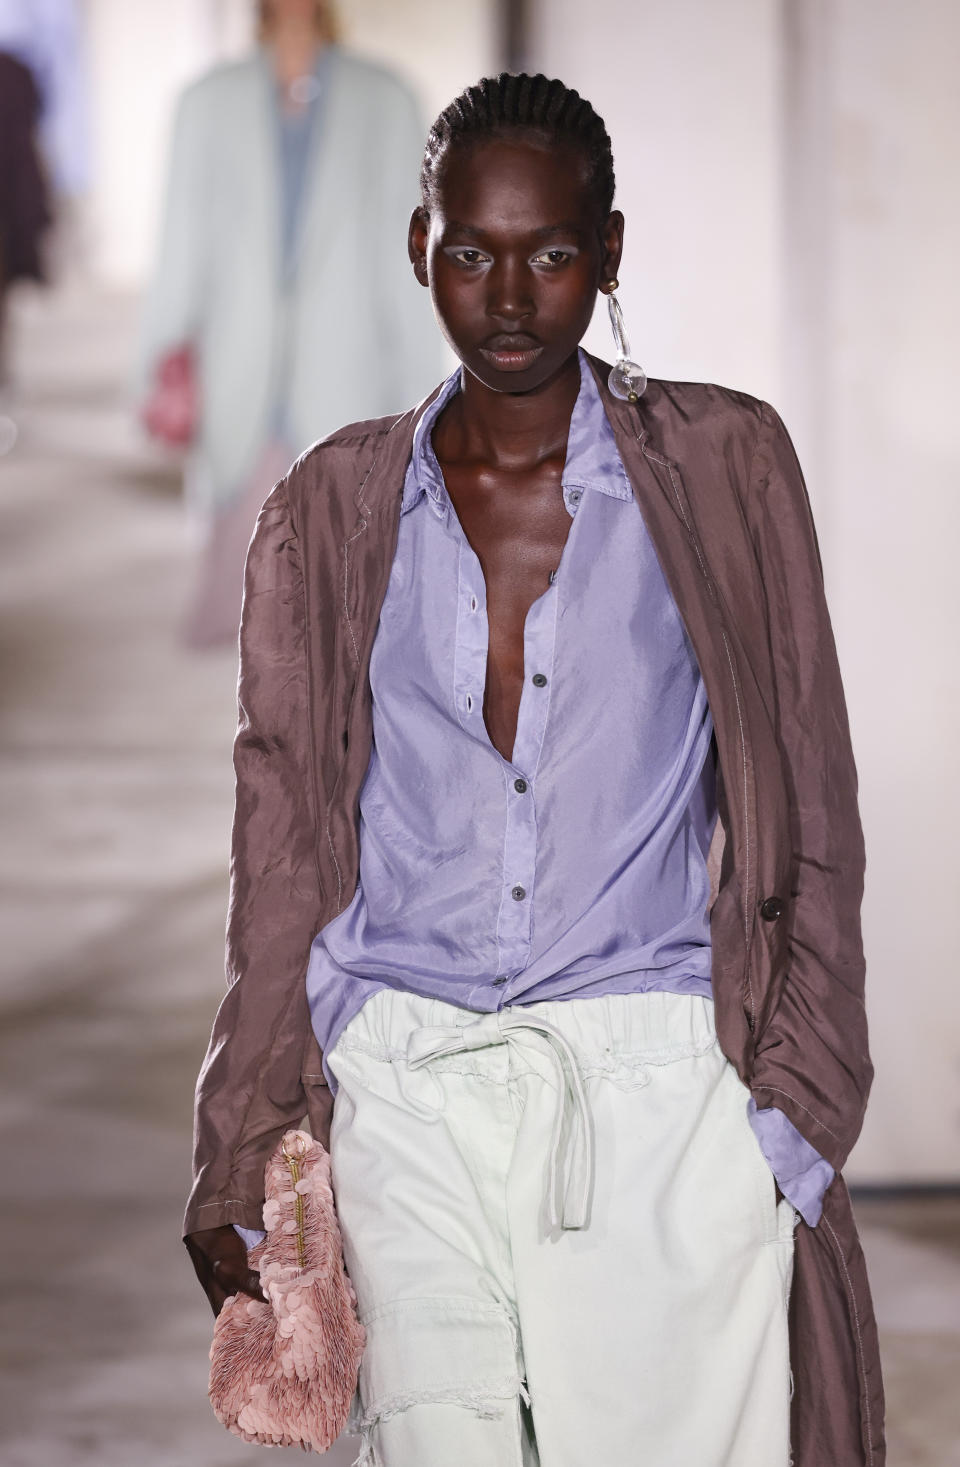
(812, 1061)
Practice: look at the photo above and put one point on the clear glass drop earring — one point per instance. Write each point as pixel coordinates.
(626, 381)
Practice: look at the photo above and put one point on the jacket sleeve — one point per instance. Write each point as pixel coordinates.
(250, 1087)
(812, 1059)
(174, 302)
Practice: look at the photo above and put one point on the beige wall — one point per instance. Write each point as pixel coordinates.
(788, 169)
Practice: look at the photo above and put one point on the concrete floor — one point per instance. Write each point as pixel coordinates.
(115, 794)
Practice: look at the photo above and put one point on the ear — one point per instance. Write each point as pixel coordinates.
(417, 244)
(612, 241)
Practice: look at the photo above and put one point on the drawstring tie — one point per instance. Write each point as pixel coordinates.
(574, 1161)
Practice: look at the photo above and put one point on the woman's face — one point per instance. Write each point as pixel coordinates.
(513, 253)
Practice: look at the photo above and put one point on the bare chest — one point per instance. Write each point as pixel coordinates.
(517, 526)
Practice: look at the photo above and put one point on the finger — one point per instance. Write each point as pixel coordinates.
(217, 1297)
(251, 1286)
(236, 1278)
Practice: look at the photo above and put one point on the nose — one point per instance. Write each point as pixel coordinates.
(510, 298)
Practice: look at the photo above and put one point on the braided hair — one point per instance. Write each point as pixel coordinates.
(503, 104)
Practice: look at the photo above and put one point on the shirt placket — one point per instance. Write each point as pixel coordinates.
(515, 920)
(514, 931)
(470, 650)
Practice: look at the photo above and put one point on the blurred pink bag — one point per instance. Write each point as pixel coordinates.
(172, 408)
(284, 1373)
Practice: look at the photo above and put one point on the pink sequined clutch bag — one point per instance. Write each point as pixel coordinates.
(284, 1373)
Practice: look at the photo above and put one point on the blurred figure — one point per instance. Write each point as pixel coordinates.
(45, 36)
(24, 207)
(282, 303)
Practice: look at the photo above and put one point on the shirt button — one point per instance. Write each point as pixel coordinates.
(498, 981)
(539, 680)
(772, 908)
(518, 893)
(575, 496)
(520, 785)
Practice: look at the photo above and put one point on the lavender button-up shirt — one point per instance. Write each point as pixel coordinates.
(577, 867)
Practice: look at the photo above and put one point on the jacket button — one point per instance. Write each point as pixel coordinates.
(771, 908)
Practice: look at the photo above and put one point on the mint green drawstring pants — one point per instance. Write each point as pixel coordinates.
(564, 1238)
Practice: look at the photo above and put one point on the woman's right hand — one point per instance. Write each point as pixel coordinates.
(220, 1260)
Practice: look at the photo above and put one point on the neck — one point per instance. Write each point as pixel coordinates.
(293, 50)
(513, 430)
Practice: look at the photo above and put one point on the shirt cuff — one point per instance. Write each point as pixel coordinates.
(251, 1236)
(801, 1172)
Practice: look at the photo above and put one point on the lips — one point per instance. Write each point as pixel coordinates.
(511, 351)
(510, 341)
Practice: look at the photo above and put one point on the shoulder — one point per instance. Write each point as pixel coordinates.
(681, 413)
(345, 451)
(679, 417)
(332, 471)
(722, 437)
(213, 97)
(719, 432)
(372, 83)
(226, 80)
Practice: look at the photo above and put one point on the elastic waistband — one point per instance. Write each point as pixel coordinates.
(632, 1027)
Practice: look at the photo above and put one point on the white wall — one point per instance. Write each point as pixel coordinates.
(788, 170)
(893, 526)
(139, 55)
(689, 94)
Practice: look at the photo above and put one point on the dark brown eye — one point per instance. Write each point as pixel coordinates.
(469, 257)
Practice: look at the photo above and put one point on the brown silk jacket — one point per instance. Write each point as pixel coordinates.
(720, 489)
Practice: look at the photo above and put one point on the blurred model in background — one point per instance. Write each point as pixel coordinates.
(43, 150)
(282, 303)
(24, 206)
(45, 35)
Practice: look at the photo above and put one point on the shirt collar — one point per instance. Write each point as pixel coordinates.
(593, 461)
(424, 475)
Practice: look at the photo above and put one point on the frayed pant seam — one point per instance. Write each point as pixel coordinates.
(488, 1401)
(488, 1405)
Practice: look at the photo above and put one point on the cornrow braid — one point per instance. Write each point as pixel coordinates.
(507, 103)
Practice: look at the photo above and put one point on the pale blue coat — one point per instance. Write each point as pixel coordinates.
(351, 334)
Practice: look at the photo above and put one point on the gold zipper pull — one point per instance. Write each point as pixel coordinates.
(294, 1151)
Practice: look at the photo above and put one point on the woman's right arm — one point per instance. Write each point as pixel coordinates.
(250, 1088)
(174, 303)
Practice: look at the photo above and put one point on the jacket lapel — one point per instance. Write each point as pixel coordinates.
(663, 501)
(366, 559)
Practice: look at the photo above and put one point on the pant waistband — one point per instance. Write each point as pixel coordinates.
(570, 1177)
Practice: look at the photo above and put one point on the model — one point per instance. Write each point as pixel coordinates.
(546, 877)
